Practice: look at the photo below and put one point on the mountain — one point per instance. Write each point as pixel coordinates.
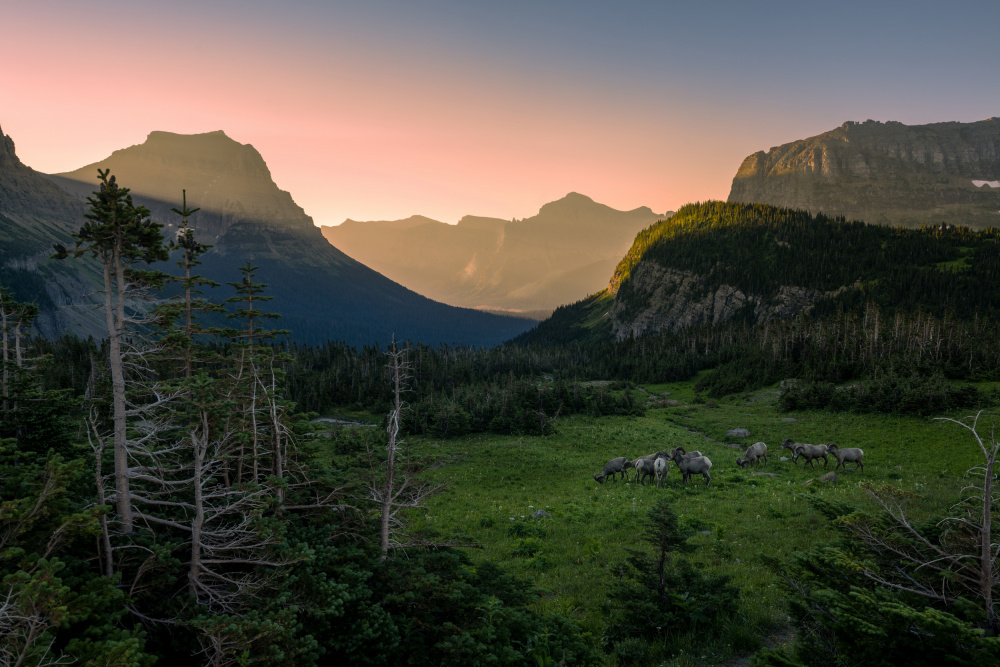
(34, 214)
(528, 266)
(885, 173)
(322, 293)
(722, 263)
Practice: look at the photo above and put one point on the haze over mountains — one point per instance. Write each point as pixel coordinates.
(530, 266)
(883, 173)
(322, 293)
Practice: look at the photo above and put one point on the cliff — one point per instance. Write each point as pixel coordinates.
(883, 173)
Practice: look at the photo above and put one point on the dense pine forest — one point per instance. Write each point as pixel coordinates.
(166, 494)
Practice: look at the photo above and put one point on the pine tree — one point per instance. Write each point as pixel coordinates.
(120, 235)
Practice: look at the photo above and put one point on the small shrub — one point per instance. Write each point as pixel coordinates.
(526, 547)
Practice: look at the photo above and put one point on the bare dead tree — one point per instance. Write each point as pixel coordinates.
(393, 485)
(963, 561)
(22, 635)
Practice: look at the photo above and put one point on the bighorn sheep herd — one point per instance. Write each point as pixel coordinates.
(656, 466)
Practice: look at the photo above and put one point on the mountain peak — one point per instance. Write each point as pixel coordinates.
(229, 181)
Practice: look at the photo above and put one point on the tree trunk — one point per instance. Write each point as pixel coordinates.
(200, 448)
(115, 314)
(986, 569)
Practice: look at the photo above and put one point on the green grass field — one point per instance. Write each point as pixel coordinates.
(743, 523)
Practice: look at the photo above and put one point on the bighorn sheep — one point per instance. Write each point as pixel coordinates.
(692, 465)
(646, 457)
(755, 453)
(848, 455)
(611, 468)
(810, 453)
(661, 466)
(644, 468)
(790, 446)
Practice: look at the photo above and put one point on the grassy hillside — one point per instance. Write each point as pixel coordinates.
(746, 525)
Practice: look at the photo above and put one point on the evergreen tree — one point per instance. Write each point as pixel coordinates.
(120, 235)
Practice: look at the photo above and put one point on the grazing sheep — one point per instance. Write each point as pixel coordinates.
(692, 465)
(810, 453)
(848, 455)
(661, 465)
(755, 453)
(644, 468)
(611, 468)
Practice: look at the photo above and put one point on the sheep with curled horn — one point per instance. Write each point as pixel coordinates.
(689, 464)
(612, 468)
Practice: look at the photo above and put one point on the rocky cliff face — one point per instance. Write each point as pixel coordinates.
(679, 299)
(885, 173)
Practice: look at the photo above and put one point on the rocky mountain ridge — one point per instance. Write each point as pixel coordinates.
(884, 173)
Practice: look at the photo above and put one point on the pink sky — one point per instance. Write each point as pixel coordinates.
(380, 111)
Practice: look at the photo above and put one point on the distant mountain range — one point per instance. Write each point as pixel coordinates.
(322, 293)
(883, 173)
(528, 266)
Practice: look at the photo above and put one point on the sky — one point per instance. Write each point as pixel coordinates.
(378, 110)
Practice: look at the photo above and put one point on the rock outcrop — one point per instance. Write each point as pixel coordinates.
(884, 173)
(678, 299)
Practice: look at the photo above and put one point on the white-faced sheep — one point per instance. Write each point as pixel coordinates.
(611, 468)
(692, 465)
(661, 466)
(847, 455)
(810, 453)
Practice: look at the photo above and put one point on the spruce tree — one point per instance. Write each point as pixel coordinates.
(120, 235)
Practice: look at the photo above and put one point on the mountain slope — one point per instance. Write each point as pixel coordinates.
(533, 265)
(321, 292)
(884, 173)
(34, 214)
(718, 263)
